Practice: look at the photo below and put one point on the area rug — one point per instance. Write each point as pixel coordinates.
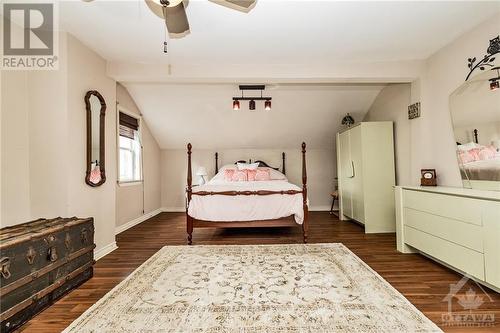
(257, 289)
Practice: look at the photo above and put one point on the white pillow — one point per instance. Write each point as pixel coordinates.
(247, 166)
(227, 166)
(276, 175)
(467, 146)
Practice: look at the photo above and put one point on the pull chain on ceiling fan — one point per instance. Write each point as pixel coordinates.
(173, 12)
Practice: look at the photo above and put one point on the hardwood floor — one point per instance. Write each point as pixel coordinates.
(420, 280)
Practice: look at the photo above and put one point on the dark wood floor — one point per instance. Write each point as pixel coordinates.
(419, 279)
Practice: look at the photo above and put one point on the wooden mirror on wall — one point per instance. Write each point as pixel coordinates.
(96, 110)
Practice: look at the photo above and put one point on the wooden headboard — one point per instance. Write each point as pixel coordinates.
(474, 135)
(261, 163)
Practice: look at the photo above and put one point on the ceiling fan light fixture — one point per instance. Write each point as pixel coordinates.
(236, 105)
(267, 105)
(251, 104)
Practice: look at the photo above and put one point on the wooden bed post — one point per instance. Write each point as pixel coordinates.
(189, 220)
(305, 226)
(216, 162)
(283, 157)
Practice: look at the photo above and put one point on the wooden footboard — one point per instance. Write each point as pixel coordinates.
(283, 222)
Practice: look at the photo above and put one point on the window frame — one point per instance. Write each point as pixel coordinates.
(121, 109)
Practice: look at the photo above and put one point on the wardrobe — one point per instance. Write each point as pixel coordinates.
(366, 174)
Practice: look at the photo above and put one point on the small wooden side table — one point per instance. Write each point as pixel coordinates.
(335, 196)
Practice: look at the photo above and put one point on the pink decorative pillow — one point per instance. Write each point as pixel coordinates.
(262, 175)
(465, 157)
(228, 174)
(486, 153)
(251, 175)
(492, 148)
(239, 176)
(474, 153)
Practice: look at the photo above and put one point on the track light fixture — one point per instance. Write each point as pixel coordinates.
(267, 105)
(236, 105)
(252, 104)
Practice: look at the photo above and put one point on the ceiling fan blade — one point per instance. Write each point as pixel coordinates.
(176, 20)
(241, 5)
(155, 8)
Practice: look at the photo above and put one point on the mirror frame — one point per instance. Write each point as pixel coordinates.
(102, 114)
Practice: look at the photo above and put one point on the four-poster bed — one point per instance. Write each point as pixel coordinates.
(221, 204)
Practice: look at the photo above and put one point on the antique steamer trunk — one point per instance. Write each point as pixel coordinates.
(39, 262)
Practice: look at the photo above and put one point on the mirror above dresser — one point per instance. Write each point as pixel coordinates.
(475, 113)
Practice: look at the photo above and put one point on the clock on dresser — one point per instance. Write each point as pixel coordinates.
(428, 177)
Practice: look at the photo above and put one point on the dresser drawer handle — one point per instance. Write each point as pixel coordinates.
(52, 254)
(5, 267)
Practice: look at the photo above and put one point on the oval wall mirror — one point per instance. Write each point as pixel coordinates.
(96, 110)
(475, 113)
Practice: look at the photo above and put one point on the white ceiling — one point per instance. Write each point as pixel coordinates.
(202, 114)
(281, 38)
(275, 32)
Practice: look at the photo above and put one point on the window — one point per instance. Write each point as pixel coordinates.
(130, 162)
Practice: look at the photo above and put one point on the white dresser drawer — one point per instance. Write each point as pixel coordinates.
(454, 207)
(466, 260)
(458, 232)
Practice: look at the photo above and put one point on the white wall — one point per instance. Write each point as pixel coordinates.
(34, 132)
(432, 139)
(129, 200)
(15, 149)
(48, 137)
(86, 71)
(428, 141)
(320, 166)
(392, 104)
(44, 142)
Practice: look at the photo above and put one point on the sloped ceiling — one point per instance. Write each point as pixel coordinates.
(202, 114)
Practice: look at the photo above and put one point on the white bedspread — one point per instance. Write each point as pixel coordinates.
(482, 170)
(223, 208)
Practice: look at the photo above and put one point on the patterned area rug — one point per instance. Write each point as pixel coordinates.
(262, 288)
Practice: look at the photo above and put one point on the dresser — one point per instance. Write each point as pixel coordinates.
(457, 227)
(365, 168)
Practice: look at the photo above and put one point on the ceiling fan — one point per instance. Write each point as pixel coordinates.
(174, 12)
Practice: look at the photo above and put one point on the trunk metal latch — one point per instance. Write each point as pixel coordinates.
(5, 267)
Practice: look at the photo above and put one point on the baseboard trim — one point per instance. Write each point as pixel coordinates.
(134, 222)
(319, 208)
(174, 209)
(182, 209)
(105, 251)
